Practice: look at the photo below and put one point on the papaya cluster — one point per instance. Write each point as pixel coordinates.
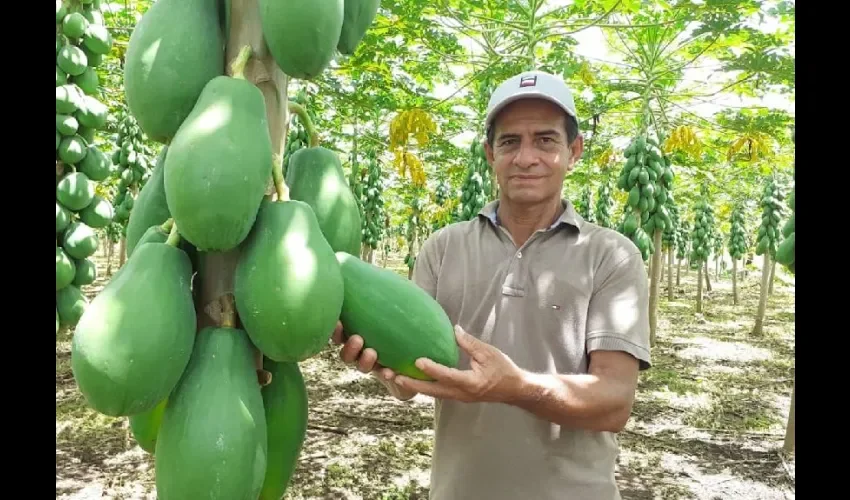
(769, 231)
(131, 162)
(786, 253)
(604, 203)
(442, 195)
(738, 246)
(412, 231)
(703, 232)
(585, 205)
(373, 203)
(183, 367)
(670, 236)
(297, 137)
(683, 242)
(476, 186)
(81, 42)
(647, 176)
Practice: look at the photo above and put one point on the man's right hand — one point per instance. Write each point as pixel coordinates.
(352, 352)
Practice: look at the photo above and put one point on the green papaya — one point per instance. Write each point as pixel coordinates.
(70, 304)
(174, 51)
(286, 404)
(302, 35)
(315, 176)
(95, 164)
(395, 317)
(65, 269)
(124, 358)
(79, 240)
(358, 16)
(219, 164)
(150, 207)
(86, 272)
(98, 214)
(212, 442)
(75, 191)
(145, 426)
(287, 285)
(63, 218)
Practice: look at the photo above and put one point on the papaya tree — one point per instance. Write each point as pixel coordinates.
(701, 240)
(604, 204)
(82, 43)
(683, 247)
(240, 252)
(786, 256)
(670, 240)
(737, 245)
(373, 207)
(476, 185)
(768, 233)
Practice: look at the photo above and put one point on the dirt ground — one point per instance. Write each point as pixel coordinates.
(708, 422)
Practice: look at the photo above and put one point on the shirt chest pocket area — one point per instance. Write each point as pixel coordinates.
(562, 303)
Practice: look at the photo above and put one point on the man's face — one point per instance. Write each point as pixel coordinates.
(530, 154)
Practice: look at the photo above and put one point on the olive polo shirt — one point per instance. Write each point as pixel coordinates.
(572, 288)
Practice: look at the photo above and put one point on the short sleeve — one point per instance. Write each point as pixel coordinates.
(618, 314)
(425, 269)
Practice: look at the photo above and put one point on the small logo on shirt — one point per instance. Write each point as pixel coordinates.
(528, 81)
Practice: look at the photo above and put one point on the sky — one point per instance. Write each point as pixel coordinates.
(592, 45)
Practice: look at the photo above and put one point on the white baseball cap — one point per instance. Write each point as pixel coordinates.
(530, 84)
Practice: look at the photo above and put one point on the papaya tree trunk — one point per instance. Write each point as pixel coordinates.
(699, 289)
(790, 442)
(735, 282)
(679, 273)
(122, 252)
(772, 277)
(670, 275)
(653, 287)
(215, 276)
(705, 274)
(663, 254)
(717, 269)
(110, 248)
(758, 327)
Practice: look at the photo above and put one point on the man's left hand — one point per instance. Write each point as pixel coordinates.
(492, 376)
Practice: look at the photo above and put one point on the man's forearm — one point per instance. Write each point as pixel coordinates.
(583, 401)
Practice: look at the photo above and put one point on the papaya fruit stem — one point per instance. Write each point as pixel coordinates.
(264, 377)
(279, 184)
(237, 67)
(301, 111)
(228, 311)
(173, 235)
(167, 226)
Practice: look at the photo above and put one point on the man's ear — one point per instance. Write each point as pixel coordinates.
(488, 150)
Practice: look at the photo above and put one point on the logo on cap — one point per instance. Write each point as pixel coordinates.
(528, 81)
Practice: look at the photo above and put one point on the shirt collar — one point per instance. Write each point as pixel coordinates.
(569, 216)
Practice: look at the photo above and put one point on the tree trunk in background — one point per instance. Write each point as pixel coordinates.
(679, 273)
(109, 250)
(758, 327)
(670, 275)
(699, 289)
(122, 252)
(735, 282)
(772, 277)
(705, 274)
(653, 287)
(790, 442)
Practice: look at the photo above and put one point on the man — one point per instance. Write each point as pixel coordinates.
(556, 312)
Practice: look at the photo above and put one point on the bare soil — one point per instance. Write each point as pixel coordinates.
(708, 423)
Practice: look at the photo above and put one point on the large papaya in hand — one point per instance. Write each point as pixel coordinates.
(150, 207)
(212, 441)
(302, 34)
(285, 402)
(315, 177)
(174, 50)
(287, 285)
(358, 16)
(219, 164)
(395, 317)
(135, 338)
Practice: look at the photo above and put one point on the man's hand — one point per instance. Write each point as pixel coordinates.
(492, 376)
(352, 352)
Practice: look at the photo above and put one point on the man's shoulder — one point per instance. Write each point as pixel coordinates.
(609, 245)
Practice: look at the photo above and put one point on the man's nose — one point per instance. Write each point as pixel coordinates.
(526, 156)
